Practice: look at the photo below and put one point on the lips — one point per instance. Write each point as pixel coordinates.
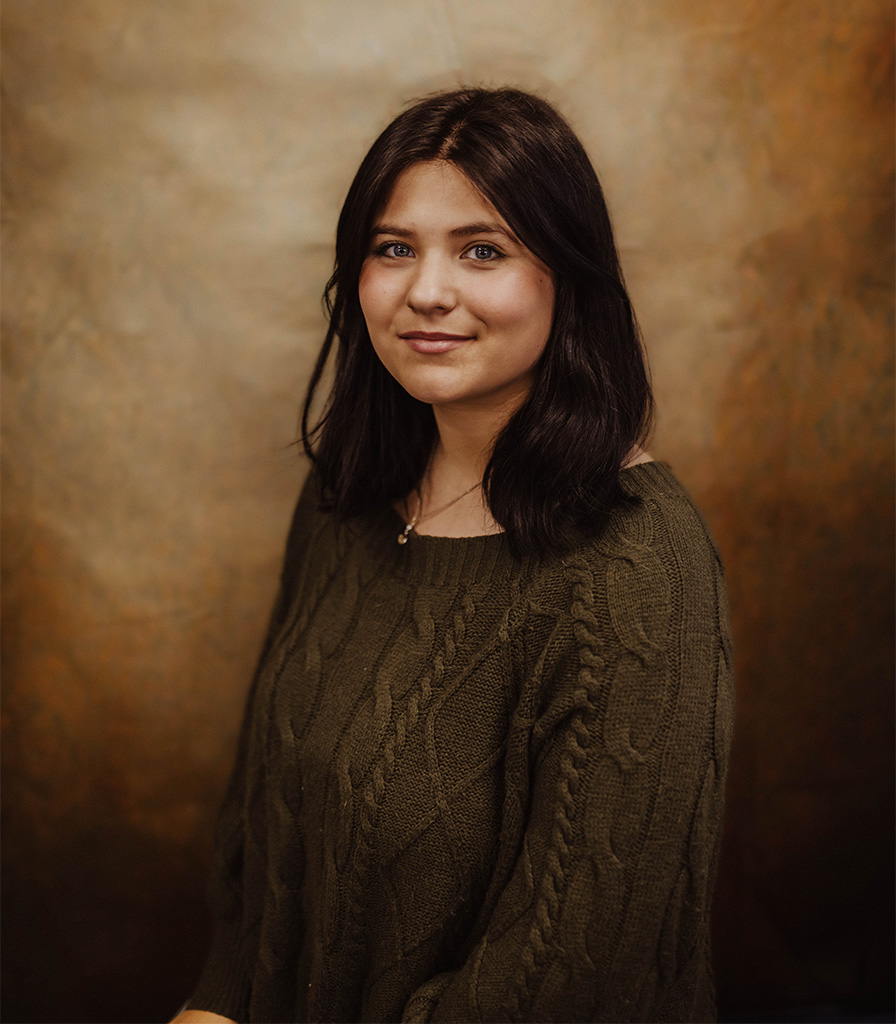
(433, 342)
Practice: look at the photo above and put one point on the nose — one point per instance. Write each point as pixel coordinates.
(432, 287)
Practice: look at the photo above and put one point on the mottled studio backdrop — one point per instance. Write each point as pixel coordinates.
(173, 170)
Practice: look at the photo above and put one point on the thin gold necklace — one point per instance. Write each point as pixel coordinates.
(409, 527)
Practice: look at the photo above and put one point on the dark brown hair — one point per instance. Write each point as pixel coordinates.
(554, 468)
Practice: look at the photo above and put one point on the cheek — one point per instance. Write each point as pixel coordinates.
(373, 294)
(523, 304)
(366, 291)
(543, 296)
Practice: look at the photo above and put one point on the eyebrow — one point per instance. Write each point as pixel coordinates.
(464, 231)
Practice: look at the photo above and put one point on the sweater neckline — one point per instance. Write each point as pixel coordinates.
(447, 561)
(660, 471)
(434, 560)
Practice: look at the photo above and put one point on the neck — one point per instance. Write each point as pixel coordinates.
(458, 462)
(466, 437)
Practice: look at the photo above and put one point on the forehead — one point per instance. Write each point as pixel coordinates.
(435, 194)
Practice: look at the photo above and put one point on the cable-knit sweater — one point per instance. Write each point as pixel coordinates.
(476, 788)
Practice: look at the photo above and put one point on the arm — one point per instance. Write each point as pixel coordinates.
(225, 980)
(605, 913)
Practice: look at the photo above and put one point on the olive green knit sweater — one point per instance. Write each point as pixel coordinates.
(471, 788)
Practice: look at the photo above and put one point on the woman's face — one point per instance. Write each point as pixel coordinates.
(458, 310)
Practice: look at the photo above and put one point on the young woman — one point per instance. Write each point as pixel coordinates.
(482, 767)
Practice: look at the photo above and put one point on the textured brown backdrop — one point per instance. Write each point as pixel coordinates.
(173, 173)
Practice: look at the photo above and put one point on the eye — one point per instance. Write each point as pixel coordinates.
(394, 250)
(483, 253)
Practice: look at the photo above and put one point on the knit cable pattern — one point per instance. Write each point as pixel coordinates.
(351, 938)
(472, 788)
(577, 740)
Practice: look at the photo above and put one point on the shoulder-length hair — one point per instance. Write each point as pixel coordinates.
(554, 468)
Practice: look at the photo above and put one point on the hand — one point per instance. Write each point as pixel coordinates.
(201, 1017)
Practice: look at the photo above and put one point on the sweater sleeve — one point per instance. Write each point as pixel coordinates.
(224, 986)
(603, 915)
(225, 982)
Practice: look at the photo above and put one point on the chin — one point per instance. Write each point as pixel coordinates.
(432, 391)
(435, 396)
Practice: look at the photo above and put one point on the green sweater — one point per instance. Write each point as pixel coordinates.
(473, 788)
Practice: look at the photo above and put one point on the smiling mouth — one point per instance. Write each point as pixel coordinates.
(433, 342)
(433, 336)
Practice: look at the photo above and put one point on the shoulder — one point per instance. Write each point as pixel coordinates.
(633, 626)
(657, 527)
(659, 543)
(310, 531)
(658, 515)
(652, 571)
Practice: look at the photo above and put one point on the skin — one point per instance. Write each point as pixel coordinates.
(459, 311)
(201, 1017)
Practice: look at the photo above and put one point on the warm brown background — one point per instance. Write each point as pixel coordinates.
(173, 173)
